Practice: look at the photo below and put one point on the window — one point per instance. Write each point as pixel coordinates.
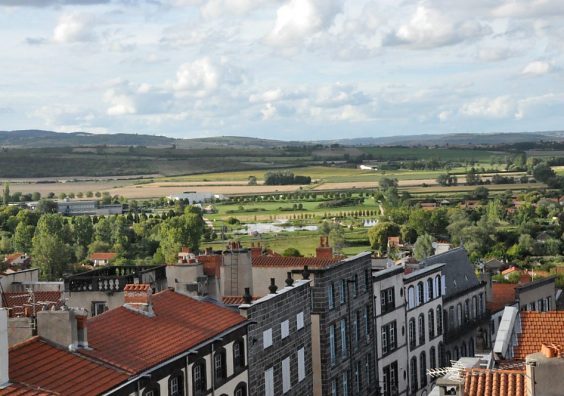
(413, 374)
(241, 389)
(367, 323)
(410, 297)
(463, 351)
(456, 353)
(548, 303)
(342, 291)
(439, 320)
(389, 337)
(387, 300)
(442, 361)
(532, 306)
(443, 285)
(357, 379)
(266, 338)
(430, 290)
(343, 337)
(199, 377)
(269, 382)
(438, 285)
(286, 379)
(412, 342)
(471, 347)
(239, 354)
(98, 307)
(421, 325)
(301, 364)
(423, 369)
(451, 319)
(334, 387)
(432, 358)
(152, 390)
(176, 384)
(355, 286)
(285, 329)
(540, 304)
(368, 368)
(330, 296)
(390, 381)
(482, 309)
(466, 310)
(345, 383)
(220, 366)
(356, 329)
(420, 294)
(431, 323)
(300, 321)
(474, 308)
(458, 315)
(332, 346)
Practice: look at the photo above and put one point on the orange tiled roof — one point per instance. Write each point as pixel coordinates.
(503, 294)
(293, 262)
(17, 302)
(509, 270)
(484, 382)
(134, 342)
(136, 287)
(235, 300)
(538, 328)
(38, 364)
(103, 256)
(15, 389)
(11, 257)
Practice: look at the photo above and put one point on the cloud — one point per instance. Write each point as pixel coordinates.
(297, 20)
(126, 98)
(537, 68)
(495, 54)
(205, 76)
(49, 3)
(499, 107)
(429, 28)
(529, 8)
(74, 27)
(36, 40)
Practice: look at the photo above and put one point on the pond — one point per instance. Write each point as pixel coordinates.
(263, 228)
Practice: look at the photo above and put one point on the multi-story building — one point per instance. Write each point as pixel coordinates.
(280, 340)
(423, 291)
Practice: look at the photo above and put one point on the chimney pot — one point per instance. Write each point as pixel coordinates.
(272, 286)
(247, 297)
(289, 279)
(305, 272)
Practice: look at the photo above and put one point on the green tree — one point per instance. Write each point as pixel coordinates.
(423, 247)
(291, 252)
(83, 230)
(50, 252)
(337, 238)
(23, 237)
(47, 206)
(103, 231)
(378, 235)
(6, 195)
(176, 232)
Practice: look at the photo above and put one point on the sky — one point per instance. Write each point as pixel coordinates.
(282, 69)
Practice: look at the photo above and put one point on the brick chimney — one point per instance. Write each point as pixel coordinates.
(137, 298)
(4, 366)
(324, 251)
(525, 278)
(256, 251)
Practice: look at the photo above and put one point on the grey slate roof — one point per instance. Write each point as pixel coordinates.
(458, 270)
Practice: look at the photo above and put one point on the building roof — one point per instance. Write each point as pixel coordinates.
(23, 390)
(134, 341)
(458, 271)
(235, 300)
(13, 257)
(509, 270)
(18, 302)
(486, 382)
(293, 262)
(538, 328)
(103, 256)
(503, 294)
(494, 264)
(38, 364)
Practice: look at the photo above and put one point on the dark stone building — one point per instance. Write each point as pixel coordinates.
(280, 341)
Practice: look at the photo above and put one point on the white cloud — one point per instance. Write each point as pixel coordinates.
(47, 3)
(429, 28)
(205, 76)
(529, 8)
(537, 68)
(297, 20)
(499, 107)
(495, 54)
(74, 27)
(126, 98)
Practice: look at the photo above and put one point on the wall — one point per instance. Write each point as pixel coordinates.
(244, 277)
(535, 291)
(19, 330)
(262, 275)
(28, 276)
(84, 299)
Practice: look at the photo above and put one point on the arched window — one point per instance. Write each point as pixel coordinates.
(471, 347)
(239, 354)
(199, 382)
(432, 358)
(458, 315)
(241, 389)
(410, 297)
(451, 319)
(420, 294)
(423, 369)
(438, 285)
(421, 325)
(413, 374)
(448, 358)
(176, 384)
(466, 310)
(152, 390)
(456, 353)
(439, 320)
(474, 307)
(430, 289)
(412, 342)
(463, 349)
(220, 367)
(442, 360)
(431, 323)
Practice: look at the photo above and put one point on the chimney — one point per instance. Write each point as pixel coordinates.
(247, 297)
(324, 251)
(4, 355)
(525, 278)
(64, 327)
(256, 251)
(485, 276)
(186, 249)
(137, 298)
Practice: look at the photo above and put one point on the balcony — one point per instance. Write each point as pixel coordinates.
(468, 326)
(114, 279)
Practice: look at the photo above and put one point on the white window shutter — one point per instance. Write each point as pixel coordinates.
(301, 364)
(269, 382)
(286, 381)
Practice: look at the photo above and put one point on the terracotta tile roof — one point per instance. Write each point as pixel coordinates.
(538, 328)
(15, 389)
(12, 257)
(136, 287)
(103, 256)
(18, 302)
(293, 262)
(484, 382)
(509, 270)
(212, 264)
(235, 300)
(134, 342)
(39, 364)
(503, 294)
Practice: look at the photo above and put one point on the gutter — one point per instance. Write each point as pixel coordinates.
(146, 373)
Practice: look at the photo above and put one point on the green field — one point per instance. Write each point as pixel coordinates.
(443, 154)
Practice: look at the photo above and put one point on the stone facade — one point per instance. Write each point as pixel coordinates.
(280, 342)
